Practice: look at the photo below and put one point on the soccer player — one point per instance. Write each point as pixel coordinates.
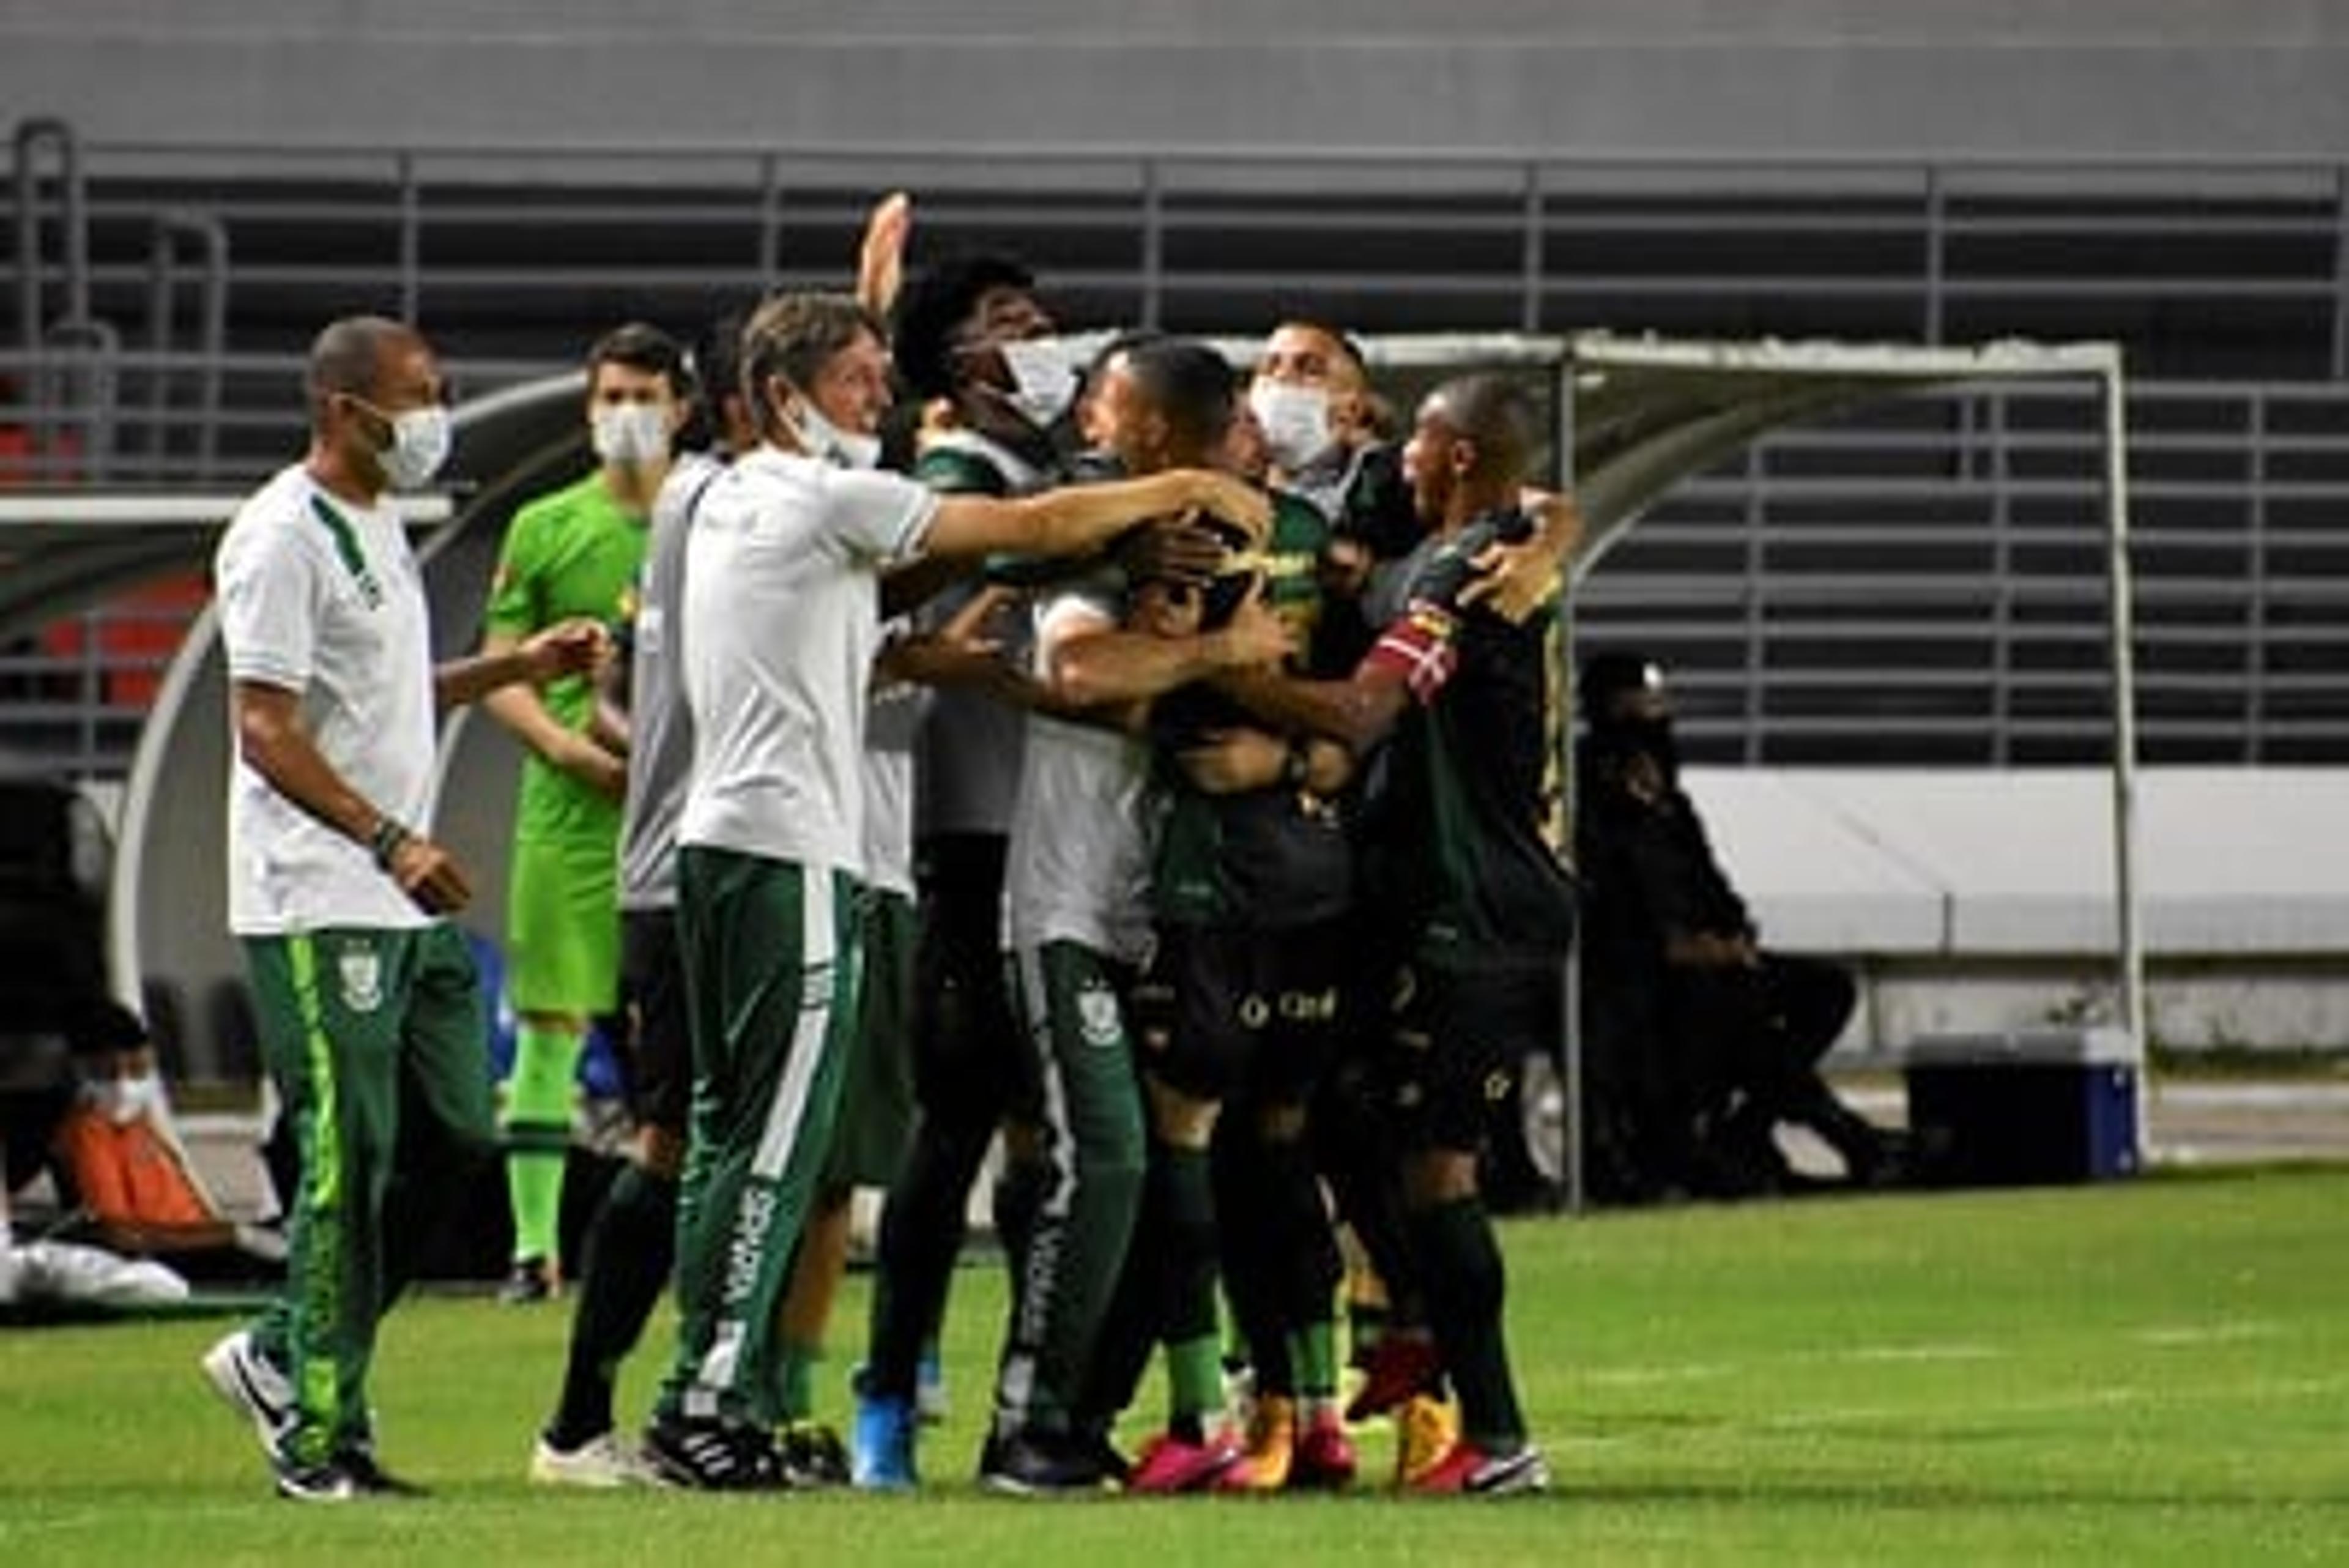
(630, 1246)
(1081, 923)
(1462, 861)
(575, 551)
(365, 1000)
(1247, 870)
(783, 602)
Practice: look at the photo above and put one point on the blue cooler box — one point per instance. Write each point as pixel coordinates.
(2023, 1107)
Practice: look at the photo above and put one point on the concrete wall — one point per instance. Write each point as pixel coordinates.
(1976, 901)
(2013, 78)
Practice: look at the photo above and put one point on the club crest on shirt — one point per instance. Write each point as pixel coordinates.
(362, 975)
(1097, 1016)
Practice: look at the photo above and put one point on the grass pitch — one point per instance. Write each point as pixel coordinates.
(2152, 1371)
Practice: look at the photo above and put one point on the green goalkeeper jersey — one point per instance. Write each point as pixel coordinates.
(577, 552)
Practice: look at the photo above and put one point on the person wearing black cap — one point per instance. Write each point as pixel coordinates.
(1704, 1041)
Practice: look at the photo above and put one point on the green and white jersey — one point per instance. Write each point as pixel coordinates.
(1464, 838)
(783, 606)
(577, 552)
(323, 598)
(660, 729)
(969, 752)
(1078, 867)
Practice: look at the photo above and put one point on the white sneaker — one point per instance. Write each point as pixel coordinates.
(603, 1463)
(253, 1388)
(62, 1272)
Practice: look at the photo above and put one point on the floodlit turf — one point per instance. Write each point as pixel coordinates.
(2155, 1372)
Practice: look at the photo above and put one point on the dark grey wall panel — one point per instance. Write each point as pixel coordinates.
(2005, 77)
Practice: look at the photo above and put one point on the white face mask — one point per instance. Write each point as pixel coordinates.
(818, 437)
(1044, 372)
(127, 1100)
(420, 440)
(1294, 420)
(630, 435)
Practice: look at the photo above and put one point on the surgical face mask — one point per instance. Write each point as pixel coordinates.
(127, 1100)
(630, 435)
(1044, 372)
(818, 437)
(421, 438)
(1294, 420)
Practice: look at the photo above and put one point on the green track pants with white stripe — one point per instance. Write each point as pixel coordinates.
(772, 961)
(359, 1027)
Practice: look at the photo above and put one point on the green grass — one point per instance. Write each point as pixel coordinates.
(2155, 1372)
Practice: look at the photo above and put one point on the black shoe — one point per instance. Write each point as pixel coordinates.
(372, 1479)
(1114, 1465)
(714, 1454)
(529, 1280)
(1887, 1158)
(1041, 1464)
(330, 1483)
(812, 1455)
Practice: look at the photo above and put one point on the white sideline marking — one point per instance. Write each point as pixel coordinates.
(2203, 1334)
(1956, 1352)
(2183, 1334)
(2085, 1400)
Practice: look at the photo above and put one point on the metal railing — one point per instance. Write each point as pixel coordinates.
(1924, 582)
(1911, 584)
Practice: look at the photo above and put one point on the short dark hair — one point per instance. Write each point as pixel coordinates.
(1190, 385)
(347, 355)
(640, 346)
(794, 336)
(937, 306)
(714, 362)
(1494, 412)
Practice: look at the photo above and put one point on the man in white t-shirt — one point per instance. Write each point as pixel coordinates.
(783, 594)
(359, 992)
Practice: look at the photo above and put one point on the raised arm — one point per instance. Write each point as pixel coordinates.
(1079, 519)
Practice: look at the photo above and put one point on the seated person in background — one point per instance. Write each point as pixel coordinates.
(124, 1175)
(1701, 1040)
(38, 1099)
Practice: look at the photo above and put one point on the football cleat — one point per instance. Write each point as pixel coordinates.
(1426, 1430)
(1403, 1362)
(713, 1455)
(529, 1280)
(603, 1463)
(1041, 1464)
(1171, 1464)
(814, 1455)
(1268, 1456)
(253, 1388)
(881, 1442)
(1325, 1459)
(1468, 1470)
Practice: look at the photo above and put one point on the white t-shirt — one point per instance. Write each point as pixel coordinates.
(323, 598)
(1078, 868)
(781, 621)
